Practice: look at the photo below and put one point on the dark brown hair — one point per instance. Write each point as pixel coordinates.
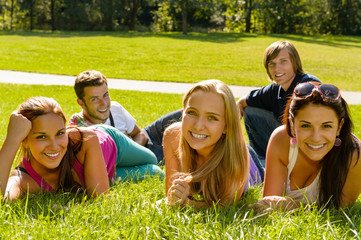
(336, 163)
(88, 79)
(38, 106)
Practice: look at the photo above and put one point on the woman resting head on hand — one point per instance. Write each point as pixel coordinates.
(56, 157)
(314, 157)
(206, 154)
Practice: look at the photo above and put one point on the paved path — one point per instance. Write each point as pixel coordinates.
(147, 86)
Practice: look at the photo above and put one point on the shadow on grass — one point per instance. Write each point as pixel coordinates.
(202, 37)
(48, 206)
(308, 219)
(169, 221)
(349, 216)
(334, 41)
(347, 219)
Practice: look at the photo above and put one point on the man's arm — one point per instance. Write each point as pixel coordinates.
(138, 136)
(241, 103)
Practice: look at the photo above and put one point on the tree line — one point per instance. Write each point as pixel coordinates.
(256, 16)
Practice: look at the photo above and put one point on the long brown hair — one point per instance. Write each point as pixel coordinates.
(38, 106)
(336, 163)
(227, 168)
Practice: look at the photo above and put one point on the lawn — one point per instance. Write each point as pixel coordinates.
(233, 58)
(130, 211)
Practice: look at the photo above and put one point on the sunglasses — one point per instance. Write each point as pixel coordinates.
(328, 91)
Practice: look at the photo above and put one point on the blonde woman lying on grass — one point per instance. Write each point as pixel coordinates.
(206, 154)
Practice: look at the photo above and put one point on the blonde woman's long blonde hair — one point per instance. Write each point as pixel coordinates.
(227, 168)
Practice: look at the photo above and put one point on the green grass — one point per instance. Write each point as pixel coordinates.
(145, 107)
(130, 211)
(233, 58)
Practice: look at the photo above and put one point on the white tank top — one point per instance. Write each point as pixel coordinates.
(306, 195)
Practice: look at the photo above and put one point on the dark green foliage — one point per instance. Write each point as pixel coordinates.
(261, 16)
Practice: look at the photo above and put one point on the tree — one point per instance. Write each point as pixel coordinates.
(234, 15)
(347, 16)
(129, 13)
(52, 15)
(28, 6)
(135, 4)
(107, 9)
(184, 7)
(179, 15)
(284, 16)
(12, 6)
(248, 13)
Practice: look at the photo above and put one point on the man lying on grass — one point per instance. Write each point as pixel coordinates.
(91, 88)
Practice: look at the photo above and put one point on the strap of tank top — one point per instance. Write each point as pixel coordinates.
(42, 183)
(292, 158)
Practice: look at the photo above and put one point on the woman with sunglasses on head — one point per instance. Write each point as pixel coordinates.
(313, 157)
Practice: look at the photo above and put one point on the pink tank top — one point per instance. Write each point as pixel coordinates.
(109, 150)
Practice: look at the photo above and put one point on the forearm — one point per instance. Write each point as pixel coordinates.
(98, 192)
(186, 202)
(7, 156)
(287, 204)
(241, 103)
(196, 204)
(140, 138)
(276, 203)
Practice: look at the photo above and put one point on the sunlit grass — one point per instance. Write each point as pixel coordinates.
(233, 58)
(130, 212)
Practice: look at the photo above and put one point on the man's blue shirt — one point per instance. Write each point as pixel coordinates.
(273, 98)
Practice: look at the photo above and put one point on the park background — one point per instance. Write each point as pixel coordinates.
(251, 16)
(68, 37)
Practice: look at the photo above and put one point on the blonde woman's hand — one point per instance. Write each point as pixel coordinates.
(179, 191)
(18, 128)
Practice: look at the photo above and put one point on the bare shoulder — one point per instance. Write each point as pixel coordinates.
(83, 134)
(279, 138)
(279, 144)
(280, 133)
(171, 153)
(173, 128)
(171, 140)
(172, 132)
(84, 140)
(276, 163)
(80, 130)
(19, 183)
